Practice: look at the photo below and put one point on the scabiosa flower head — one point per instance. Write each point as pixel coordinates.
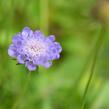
(34, 49)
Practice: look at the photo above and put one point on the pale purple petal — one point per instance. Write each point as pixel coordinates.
(17, 40)
(27, 32)
(47, 64)
(58, 47)
(30, 66)
(21, 59)
(12, 51)
(51, 37)
(38, 34)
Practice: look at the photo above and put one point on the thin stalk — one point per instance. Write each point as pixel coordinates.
(97, 50)
(44, 16)
(87, 62)
(18, 99)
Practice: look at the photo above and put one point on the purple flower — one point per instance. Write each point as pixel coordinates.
(34, 49)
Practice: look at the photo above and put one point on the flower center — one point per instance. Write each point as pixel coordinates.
(35, 47)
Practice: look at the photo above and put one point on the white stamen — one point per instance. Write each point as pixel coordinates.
(35, 47)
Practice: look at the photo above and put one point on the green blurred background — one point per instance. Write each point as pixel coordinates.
(61, 86)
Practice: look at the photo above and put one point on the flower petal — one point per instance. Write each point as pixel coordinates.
(38, 34)
(47, 64)
(43, 61)
(17, 40)
(12, 51)
(27, 32)
(51, 38)
(21, 59)
(30, 66)
(58, 47)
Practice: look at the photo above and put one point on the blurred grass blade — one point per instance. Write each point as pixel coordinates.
(96, 52)
(44, 16)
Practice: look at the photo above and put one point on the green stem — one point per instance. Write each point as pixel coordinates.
(97, 50)
(87, 62)
(18, 99)
(44, 16)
